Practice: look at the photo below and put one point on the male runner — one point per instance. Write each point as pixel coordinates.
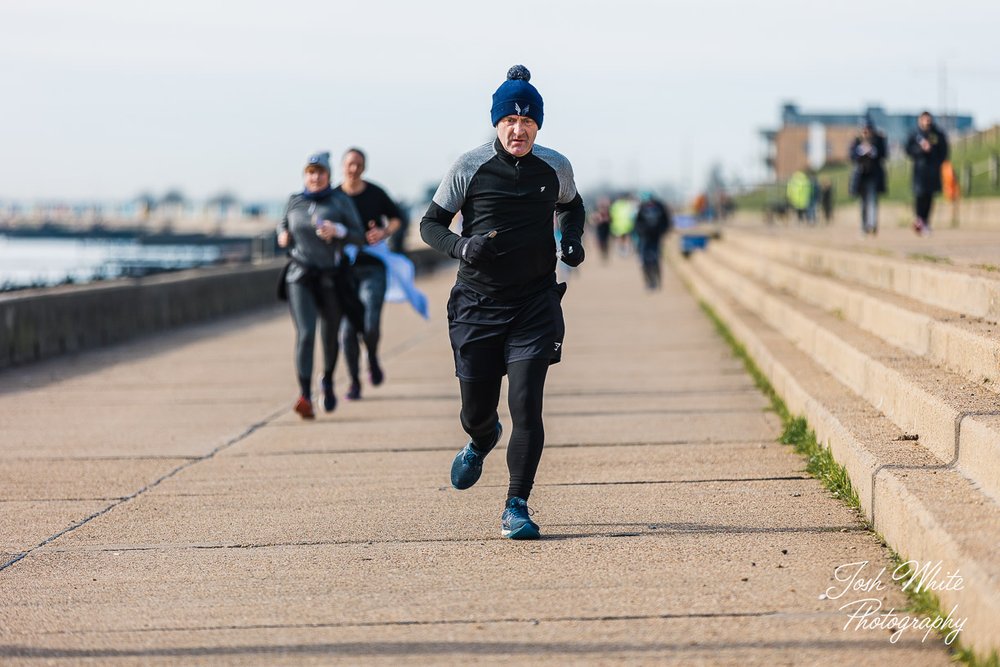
(504, 314)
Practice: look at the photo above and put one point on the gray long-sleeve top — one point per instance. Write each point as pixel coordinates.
(300, 219)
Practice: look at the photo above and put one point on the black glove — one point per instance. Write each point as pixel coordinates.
(572, 253)
(476, 249)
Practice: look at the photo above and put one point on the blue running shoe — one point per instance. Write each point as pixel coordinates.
(516, 523)
(468, 463)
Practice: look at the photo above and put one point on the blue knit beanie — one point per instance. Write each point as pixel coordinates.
(517, 97)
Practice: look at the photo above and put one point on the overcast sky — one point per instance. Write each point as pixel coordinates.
(105, 98)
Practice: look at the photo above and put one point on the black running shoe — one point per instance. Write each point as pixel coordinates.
(375, 373)
(354, 393)
(329, 400)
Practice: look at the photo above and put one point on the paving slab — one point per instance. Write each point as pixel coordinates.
(392, 584)
(676, 530)
(26, 524)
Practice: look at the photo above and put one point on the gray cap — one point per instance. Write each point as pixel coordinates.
(319, 160)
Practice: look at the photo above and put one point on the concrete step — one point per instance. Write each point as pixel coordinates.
(961, 290)
(926, 510)
(955, 419)
(965, 345)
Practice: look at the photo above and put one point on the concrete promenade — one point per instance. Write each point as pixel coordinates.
(161, 504)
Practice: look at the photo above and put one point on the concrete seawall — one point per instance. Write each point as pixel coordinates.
(40, 324)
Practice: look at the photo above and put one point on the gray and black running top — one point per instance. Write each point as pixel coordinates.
(516, 198)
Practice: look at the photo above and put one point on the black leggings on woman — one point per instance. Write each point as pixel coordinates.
(307, 305)
(525, 386)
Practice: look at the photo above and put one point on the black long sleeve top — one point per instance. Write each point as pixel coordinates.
(516, 198)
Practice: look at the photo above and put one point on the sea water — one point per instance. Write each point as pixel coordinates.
(41, 262)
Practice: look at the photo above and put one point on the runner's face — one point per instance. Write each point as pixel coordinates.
(517, 134)
(925, 122)
(316, 178)
(354, 166)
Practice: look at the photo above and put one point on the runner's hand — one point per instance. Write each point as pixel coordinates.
(329, 231)
(476, 249)
(375, 233)
(572, 253)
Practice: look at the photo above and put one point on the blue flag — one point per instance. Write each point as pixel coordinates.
(400, 276)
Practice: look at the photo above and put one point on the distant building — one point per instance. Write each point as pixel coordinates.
(819, 139)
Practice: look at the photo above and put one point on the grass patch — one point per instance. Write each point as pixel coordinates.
(819, 461)
(924, 257)
(986, 267)
(821, 464)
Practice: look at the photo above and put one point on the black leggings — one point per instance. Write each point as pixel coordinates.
(525, 386)
(305, 311)
(922, 207)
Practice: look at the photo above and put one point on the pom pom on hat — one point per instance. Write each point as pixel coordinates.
(518, 72)
(516, 96)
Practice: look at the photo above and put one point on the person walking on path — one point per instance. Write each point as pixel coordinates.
(317, 281)
(600, 220)
(868, 153)
(928, 148)
(382, 220)
(622, 212)
(799, 192)
(826, 200)
(652, 222)
(504, 313)
(813, 197)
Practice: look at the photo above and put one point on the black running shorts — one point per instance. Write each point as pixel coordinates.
(487, 334)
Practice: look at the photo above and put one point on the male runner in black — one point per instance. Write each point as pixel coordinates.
(504, 314)
(381, 219)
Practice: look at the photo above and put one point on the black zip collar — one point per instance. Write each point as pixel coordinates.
(507, 157)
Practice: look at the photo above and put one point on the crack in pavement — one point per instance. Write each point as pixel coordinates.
(59, 500)
(152, 457)
(447, 621)
(652, 529)
(232, 441)
(187, 463)
(750, 389)
(640, 482)
(568, 445)
(382, 418)
(784, 478)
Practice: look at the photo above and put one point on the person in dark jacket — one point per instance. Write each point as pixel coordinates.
(600, 220)
(652, 222)
(382, 221)
(504, 314)
(928, 148)
(317, 224)
(868, 153)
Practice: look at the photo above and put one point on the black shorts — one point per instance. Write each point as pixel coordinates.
(487, 334)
